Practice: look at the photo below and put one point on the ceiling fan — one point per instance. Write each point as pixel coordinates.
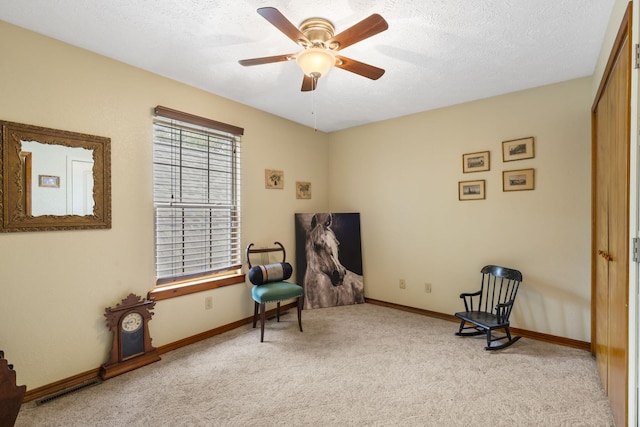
(316, 36)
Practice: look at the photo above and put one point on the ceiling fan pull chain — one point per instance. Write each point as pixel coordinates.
(314, 80)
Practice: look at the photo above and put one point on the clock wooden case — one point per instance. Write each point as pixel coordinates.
(131, 347)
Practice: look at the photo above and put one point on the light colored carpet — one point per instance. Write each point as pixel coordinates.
(361, 365)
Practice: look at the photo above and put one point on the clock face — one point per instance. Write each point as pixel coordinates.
(132, 322)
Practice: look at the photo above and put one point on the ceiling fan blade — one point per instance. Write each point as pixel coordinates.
(357, 67)
(309, 83)
(279, 21)
(366, 28)
(266, 60)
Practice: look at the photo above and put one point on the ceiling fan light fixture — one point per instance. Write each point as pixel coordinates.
(316, 61)
(317, 38)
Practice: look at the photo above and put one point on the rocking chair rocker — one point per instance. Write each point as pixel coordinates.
(495, 300)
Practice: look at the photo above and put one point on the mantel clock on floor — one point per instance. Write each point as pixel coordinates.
(131, 347)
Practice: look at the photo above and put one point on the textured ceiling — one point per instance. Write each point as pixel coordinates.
(436, 52)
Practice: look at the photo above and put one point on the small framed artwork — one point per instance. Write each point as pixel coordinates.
(303, 190)
(475, 162)
(517, 149)
(518, 180)
(273, 179)
(471, 190)
(48, 181)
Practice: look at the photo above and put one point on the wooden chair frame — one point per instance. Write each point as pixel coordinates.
(262, 305)
(488, 309)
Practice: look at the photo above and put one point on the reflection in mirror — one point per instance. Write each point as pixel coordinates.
(61, 179)
(53, 179)
(25, 162)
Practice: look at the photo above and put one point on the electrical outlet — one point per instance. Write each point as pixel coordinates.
(403, 284)
(427, 288)
(208, 303)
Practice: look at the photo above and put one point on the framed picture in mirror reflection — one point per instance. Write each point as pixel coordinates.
(49, 181)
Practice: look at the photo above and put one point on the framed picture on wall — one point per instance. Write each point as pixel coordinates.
(471, 190)
(475, 162)
(517, 149)
(303, 190)
(273, 179)
(518, 180)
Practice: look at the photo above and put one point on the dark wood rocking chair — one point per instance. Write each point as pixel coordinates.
(494, 302)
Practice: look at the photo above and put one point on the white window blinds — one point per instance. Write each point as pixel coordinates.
(196, 191)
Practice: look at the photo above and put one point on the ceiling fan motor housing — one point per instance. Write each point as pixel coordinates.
(317, 31)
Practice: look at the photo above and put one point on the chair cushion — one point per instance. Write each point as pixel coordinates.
(261, 274)
(276, 291)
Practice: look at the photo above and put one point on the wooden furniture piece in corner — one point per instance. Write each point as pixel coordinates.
(492, 308)
(610, 223)
(11, 395)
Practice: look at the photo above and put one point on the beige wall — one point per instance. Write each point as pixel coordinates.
(415, 228)
(54, 286)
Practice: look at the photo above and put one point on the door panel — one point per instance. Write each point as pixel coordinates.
(601, 237)
(611, 226)
(618, 240)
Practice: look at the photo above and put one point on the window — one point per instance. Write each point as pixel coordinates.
(196, 194)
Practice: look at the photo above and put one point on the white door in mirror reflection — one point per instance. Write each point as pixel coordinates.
(80, 197)
(73, 166)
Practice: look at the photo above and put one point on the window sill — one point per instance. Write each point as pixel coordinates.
(186, 288)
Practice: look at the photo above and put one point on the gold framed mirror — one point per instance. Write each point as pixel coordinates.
(53, 179)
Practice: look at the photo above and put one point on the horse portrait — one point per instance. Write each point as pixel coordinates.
(332, 277)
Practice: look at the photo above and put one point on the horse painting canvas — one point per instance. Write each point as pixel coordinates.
(329, 259)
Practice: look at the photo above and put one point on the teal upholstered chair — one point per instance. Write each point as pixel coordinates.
(270, 285)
